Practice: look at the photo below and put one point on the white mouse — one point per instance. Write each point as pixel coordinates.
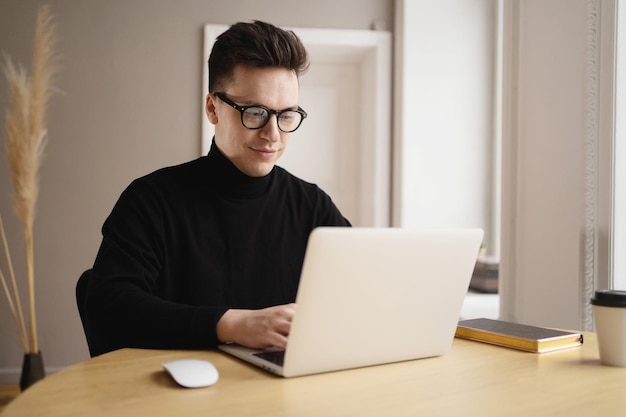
(192, 373)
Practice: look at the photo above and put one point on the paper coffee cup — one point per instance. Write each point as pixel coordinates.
(609, 310)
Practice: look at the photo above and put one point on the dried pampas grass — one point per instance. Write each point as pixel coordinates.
(25, 142)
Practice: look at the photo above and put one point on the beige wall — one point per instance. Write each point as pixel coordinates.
(130, 103)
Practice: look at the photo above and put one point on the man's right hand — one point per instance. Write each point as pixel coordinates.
(268, 327)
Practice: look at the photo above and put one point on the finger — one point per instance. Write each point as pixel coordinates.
(279, 341)
(287, 311)
(283, 327)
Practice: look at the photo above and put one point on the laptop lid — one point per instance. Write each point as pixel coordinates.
(370, 296)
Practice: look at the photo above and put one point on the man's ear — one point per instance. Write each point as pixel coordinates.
(209, 107)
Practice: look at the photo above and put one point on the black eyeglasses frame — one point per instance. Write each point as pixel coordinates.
(242, 109)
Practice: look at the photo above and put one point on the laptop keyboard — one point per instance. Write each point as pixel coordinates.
(277, 357)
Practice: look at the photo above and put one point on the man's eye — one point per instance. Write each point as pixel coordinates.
(258, 113)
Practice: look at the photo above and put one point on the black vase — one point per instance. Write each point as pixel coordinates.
(32, 370)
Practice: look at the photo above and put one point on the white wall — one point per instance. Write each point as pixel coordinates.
(445, 124)
(618, 277)
(557, 150)
(556, 159)
(131, 89)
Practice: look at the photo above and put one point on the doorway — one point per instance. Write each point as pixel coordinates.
(344, 146)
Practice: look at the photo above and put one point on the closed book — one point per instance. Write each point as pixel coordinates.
(517, 336)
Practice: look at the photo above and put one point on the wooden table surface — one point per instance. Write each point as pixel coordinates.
(473, 379)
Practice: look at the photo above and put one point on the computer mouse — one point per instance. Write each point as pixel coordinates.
(192, 373)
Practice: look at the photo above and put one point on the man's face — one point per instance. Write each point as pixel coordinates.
(253, 152)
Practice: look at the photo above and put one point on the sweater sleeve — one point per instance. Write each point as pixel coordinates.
(122, 306)
(327, 213)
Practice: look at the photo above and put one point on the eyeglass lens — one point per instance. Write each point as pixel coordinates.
(257, 117)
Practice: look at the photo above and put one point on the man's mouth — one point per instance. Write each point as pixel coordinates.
(263, 151)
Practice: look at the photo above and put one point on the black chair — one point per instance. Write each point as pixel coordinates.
(81, 298)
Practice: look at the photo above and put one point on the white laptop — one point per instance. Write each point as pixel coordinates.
(370, 296)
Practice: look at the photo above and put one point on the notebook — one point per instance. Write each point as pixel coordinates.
(370, 296)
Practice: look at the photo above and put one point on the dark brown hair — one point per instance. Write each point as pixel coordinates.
(256, 44)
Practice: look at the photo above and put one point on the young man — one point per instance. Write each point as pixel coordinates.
(210, 251)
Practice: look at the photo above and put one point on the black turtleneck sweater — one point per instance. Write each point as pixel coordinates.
(185, 243)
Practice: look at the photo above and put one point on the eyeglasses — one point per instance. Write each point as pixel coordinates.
(256, 116)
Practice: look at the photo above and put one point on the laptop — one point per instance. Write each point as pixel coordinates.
(370, 296)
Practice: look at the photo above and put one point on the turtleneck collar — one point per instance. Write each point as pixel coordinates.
(230, 181)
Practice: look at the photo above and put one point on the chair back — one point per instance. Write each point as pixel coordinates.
(81, 299)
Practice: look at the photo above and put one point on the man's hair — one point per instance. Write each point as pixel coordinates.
(255, 44)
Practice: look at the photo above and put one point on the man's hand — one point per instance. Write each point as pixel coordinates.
(268, 327)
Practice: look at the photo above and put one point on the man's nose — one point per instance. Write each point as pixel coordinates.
(271, 130)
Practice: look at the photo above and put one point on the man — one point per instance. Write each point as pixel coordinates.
(210, 251)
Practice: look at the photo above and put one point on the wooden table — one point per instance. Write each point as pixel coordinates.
(473, 379)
